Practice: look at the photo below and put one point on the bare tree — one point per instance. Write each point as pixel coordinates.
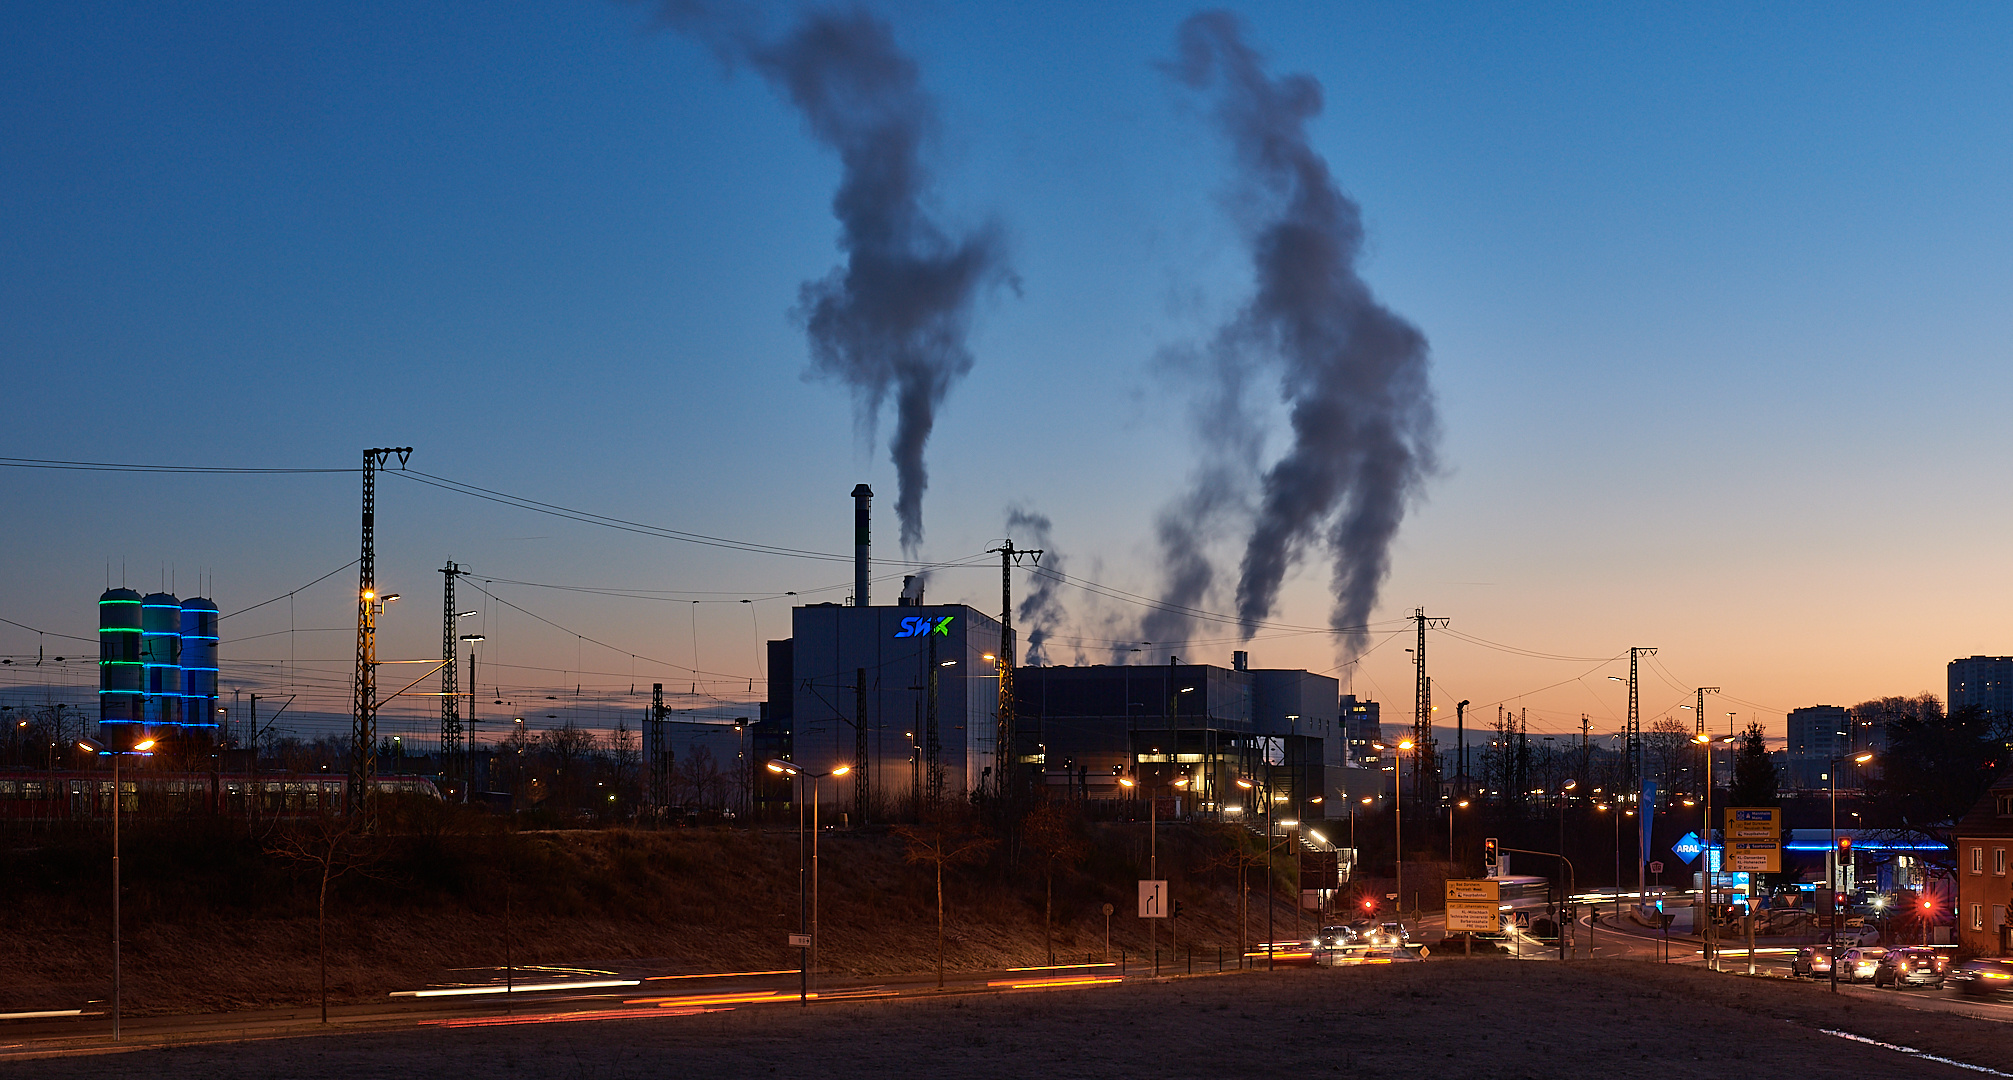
(1052, 831)
(569, 743)
(330, 845)
(1669, 751)
(1241, 859)
(943, 840)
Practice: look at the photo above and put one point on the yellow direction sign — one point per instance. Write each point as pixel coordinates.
(1754, 856)
(1753, 822)
(1474, 907)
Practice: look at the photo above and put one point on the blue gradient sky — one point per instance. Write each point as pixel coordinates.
(1716, 294)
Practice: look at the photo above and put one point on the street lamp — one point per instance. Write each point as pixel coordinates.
(1398, 826)
(1832, 859)
(1706, 928)
(93, 746)
(782, 767)
(1463, 804)
(1153, 854)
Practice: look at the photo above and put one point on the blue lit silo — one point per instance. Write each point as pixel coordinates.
(199, 663)
(121, 678)
(161, 660)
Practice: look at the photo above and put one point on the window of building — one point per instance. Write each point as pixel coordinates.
(1999, 861)
(2005, 801)
(1978, 916)
(1977, 859)
(1998, 916)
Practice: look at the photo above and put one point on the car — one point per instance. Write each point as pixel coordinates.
(1984, 977)
(1858, 964)
(1903, 968)
(1334, 937)
(1813, 961)
(1390, 933)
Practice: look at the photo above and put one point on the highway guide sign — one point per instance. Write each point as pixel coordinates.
(1474, 907)
(1153, 899)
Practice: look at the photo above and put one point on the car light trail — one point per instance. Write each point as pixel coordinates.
(1052, 967)
(41, 1015)
(548, 1018)
(1042, 984)
(750, 997)
(465, 991)
(720, 975)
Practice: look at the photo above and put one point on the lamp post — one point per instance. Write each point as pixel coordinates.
(1463, 804)
(787, 768)
(1832, 859)
(1704, 910)
(1398, 827)
(1153, 855)
(93, 746)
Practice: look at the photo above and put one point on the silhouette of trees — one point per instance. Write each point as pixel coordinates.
(946, 838)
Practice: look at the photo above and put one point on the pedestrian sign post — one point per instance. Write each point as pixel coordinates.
(1153, 899)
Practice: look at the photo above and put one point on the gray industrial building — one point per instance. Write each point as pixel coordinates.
(1085, 728)
(914, 686)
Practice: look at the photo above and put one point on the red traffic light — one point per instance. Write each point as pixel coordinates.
(1844, 843)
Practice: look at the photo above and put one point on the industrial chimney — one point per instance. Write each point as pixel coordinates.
(863, 497)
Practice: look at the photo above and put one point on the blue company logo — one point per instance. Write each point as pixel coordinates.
(923, 626)
(1688, 847)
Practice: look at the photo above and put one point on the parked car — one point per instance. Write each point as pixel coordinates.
(1903, 968)
(1985, 977)
(1859, 964)
(1813, 961)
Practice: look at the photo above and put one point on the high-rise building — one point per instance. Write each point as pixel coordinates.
(1984, 681)
(1362, 724)
(1818, 736)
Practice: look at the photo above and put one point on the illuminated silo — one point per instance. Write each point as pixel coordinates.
(199, 663)
(121, 679)
(161, 660)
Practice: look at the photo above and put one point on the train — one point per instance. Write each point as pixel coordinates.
(44, 796)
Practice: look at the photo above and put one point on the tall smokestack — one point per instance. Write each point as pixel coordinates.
(863, 499)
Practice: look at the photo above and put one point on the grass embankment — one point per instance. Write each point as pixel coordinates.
(215, 920)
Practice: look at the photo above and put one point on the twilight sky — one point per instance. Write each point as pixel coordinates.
(1716, 298)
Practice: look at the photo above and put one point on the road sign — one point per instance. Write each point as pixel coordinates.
(1762, 856)
(1474, 907)
(800, 941)
(1153, 899)
(1753, 823)
(1656, 868)
(1687, 847)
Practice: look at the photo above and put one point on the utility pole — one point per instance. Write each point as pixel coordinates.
(1425, 785)
(363, 705)
(450, 693)
(1698, 712)
(1005, 770)
(1634, 750)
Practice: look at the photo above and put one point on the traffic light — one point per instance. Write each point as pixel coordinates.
(1489, 854)
(1845, 845)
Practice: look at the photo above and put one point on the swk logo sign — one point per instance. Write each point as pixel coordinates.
(923, 626)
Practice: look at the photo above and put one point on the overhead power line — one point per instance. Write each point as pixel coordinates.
(110, 466)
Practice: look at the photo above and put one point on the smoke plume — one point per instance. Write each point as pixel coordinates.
(892, 320)
(1352, 374)
(1040, 610)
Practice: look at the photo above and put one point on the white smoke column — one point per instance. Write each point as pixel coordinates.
(1352, 373)
(891, 321)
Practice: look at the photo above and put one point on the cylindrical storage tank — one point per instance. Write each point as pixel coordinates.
(161, 660)
(121, 678)
(199, 663)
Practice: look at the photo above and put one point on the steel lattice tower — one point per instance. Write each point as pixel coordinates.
(363, 705)
(1425, 769)
(1635, 723)
(450, 691)
(1006, 762)
(657, 750)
